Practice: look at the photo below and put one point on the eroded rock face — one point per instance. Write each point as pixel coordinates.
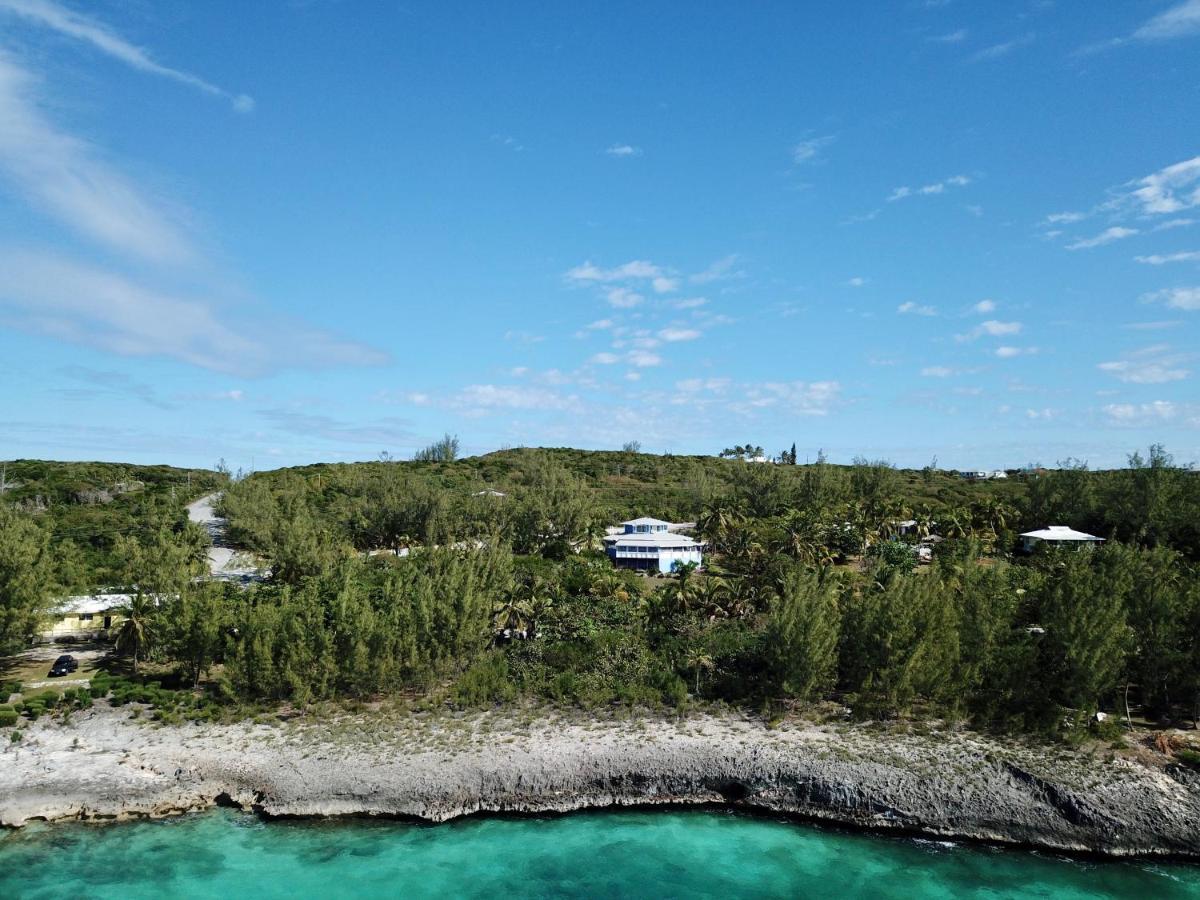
(959, 785)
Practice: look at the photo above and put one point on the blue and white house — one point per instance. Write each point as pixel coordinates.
(651, 544)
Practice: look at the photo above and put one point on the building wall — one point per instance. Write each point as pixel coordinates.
(80, 625)
(664, 561)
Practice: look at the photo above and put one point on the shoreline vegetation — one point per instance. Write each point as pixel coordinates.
(863, 645)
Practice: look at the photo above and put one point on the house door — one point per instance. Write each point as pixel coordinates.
(108, 621)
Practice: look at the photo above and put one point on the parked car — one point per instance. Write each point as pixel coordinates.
(64, 665)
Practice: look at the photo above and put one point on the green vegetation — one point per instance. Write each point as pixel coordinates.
(68, 527)
(477, 581)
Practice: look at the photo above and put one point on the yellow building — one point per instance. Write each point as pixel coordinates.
(85, 617)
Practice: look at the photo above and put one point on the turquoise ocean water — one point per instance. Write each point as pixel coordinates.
(620, 854)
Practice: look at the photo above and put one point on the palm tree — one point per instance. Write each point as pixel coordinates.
(714, 595)
(139, 630)
(681, 594)
(511, 616)
(698, 661)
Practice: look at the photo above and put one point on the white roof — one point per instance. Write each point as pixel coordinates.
(1060, 533)
(652, 539)
(91, 603)
(647, 520)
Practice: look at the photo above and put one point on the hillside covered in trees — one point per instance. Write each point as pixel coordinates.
(480, 580)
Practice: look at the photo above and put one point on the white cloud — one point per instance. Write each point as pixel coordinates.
(61, 175)
(623, 150)
(674, 335)
(623, 298)
(983, 307)
(809, 150)
(991, 328)
(1064, 218)
(857, 281)
(996, 51)
(1187, 298)
(485, 397)
(718, 271)
(643, 358)
(1156, 411)
(694, 385)
(1173, 223)
(1040, 414)
(915, 309)
(951, 37)
(814, 398)
(1107, 236)
(938, 187)
(600, 325)
(1171, 189)
(634, 269)
(75, 25)
(1008, 352)
(664, 285)
(50, 295)
(605, 359)
(1161, 259)
(1150, 365)
(690, 303)
(937, 372)
(1178, 21)
(523, 337)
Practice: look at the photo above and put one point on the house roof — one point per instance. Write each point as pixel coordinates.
(646, 520)
(91, 603)
(1060, 533)
(652, 539)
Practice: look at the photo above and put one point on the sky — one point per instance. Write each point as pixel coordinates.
(290, 232)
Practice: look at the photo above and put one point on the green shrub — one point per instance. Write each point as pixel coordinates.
(33, 710)
(1189, 757)
(487, 681)
(8, 688)
(8, 717)
(48, 698)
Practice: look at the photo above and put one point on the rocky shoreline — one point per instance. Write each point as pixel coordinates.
(103, 766)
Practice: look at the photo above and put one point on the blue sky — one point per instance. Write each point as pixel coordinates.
(289, 232)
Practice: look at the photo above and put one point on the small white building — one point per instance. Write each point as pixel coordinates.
(1058, 535)
(651, 544)
(83, 617)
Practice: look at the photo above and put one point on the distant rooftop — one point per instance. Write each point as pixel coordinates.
(91, 603)
(652, 539)
(1060, 533)
(647, 521)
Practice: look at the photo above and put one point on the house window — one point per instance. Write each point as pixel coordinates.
(85, 617)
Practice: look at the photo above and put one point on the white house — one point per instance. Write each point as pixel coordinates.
(1058, 535)
(651, 544)
(89, 616)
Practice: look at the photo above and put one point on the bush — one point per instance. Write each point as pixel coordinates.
(8, 688)
(48, 699)
(33, 710)
(1189, 757)
(8, 716)
(487, 681)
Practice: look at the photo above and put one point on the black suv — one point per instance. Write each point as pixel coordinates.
(64, 665)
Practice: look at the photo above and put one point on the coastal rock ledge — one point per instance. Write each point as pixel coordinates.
(953, 784)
